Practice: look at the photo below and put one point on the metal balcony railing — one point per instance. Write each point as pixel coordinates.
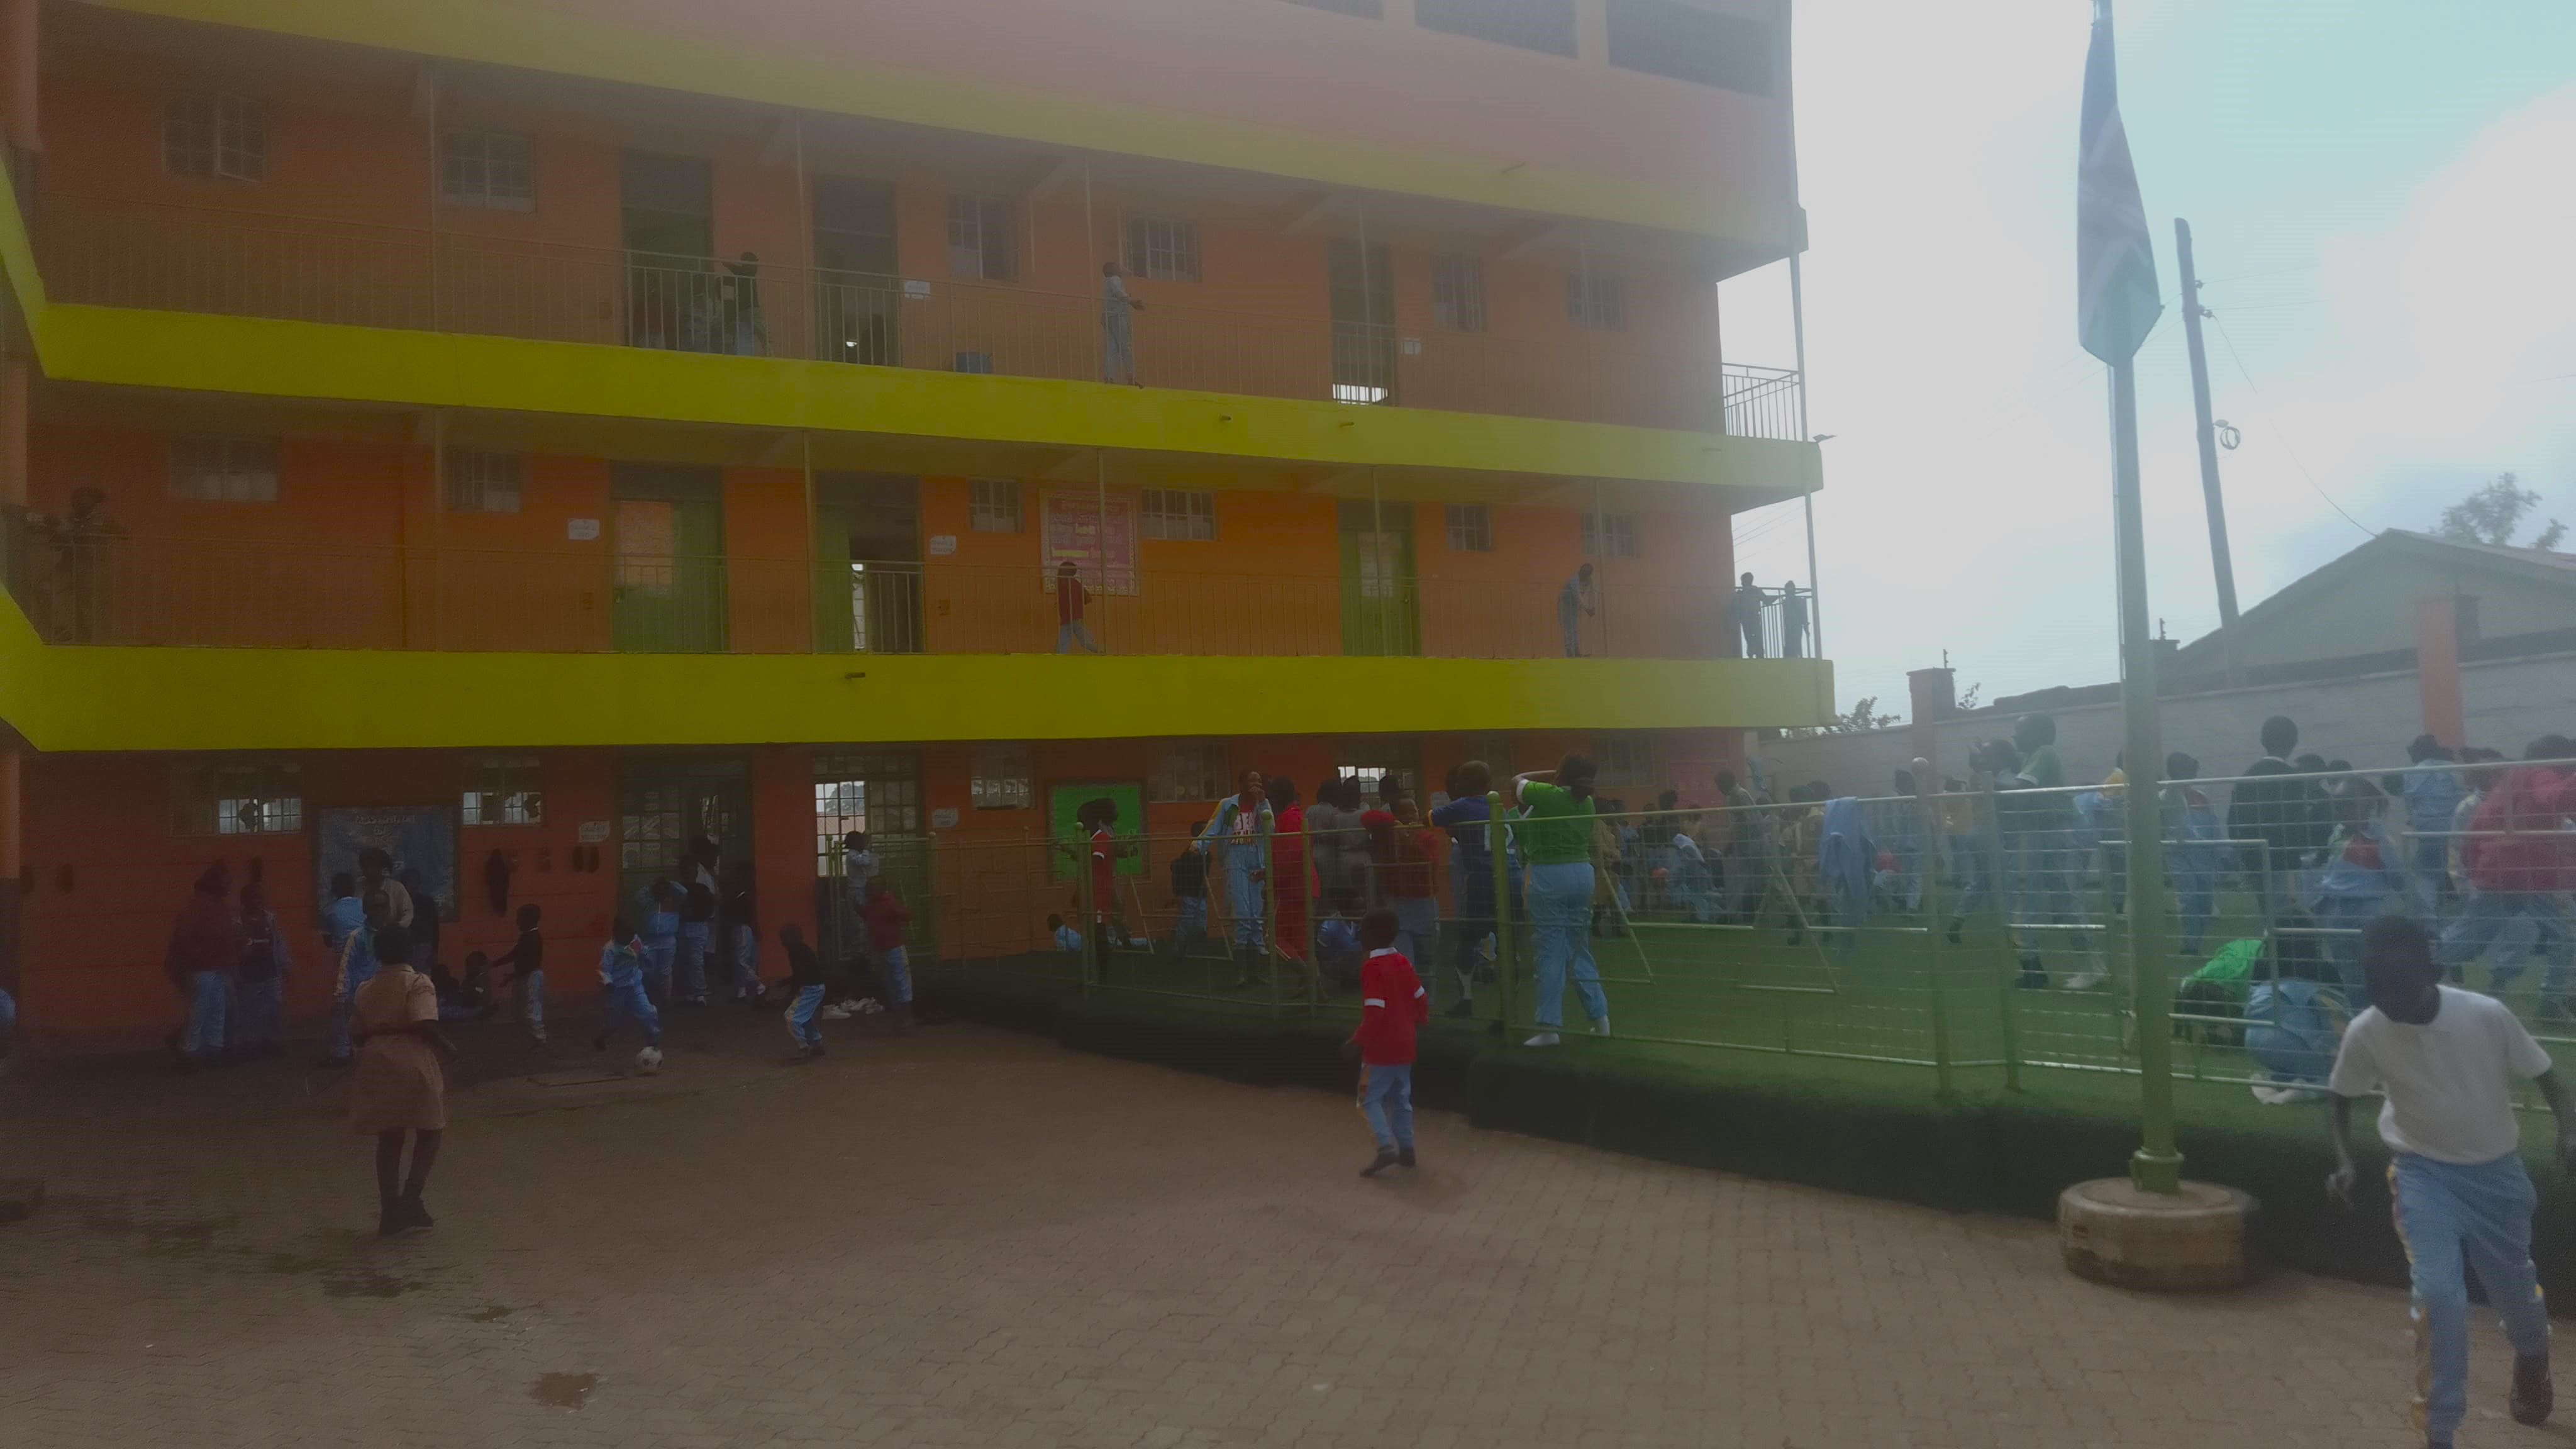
(193, 259)
(108, 588)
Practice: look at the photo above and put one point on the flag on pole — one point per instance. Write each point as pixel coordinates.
(2115, 263)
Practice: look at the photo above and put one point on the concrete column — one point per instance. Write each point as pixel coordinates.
(2437, 669)
(1935, 697)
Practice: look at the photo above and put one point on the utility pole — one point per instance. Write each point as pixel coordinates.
(2220, 562)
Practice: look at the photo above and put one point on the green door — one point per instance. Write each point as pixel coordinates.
(668, 592)
(666, 218)
(867, 562)
(1381, 611)
(667, 804)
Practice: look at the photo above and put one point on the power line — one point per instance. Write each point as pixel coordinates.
(2286, 445)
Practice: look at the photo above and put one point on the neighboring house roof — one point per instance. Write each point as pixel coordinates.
(2538, 565)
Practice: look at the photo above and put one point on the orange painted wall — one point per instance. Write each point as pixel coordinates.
(769, 582)
(1292, 66)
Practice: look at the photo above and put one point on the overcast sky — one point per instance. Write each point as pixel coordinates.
(2383, 201)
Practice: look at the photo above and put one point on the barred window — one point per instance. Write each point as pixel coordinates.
(1541, 25)
(239, 797)
(224, 137)
(1001, 778)
(878, 792)
(983, 242)
(1471, 527)
(1178, 513)
(1611, 535)
(504, 790)
(1688, 41)
(1458, 291)
(993, 505)
(1188, 770)
(480, 480)
(1496, 749)
(496, 170)
(1163, 250)
(1370, 759)
(224, 470)
(1628, 760)
(1595, 301)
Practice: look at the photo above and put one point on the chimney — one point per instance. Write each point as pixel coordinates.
(1935, 695)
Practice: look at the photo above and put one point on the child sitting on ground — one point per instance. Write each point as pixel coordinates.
(805, 984)
(1065, 937)
(1392, 1008)
(1337, 941)
(469, 999)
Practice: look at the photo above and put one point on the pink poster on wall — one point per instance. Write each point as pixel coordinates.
(1074, 532)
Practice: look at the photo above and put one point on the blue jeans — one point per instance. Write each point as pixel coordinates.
(532, 1005)
(1569, 622)
(1417, 925)
(208, 993)
(1386, 1099)
(627, 1002)
(1068, 635)
(800, 1017)
(258, 1014)
(2483, 921)
(1192, 927)
(2445, 1212)
(746, 961)
(689, 963)
(1243, 898)
(896, 967)
(1560, 902)
(2427, 862)
(2348, 913)
(2195, 881)
(658, 956)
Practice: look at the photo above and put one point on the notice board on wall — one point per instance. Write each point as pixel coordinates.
(1102, 550)
(419, 838)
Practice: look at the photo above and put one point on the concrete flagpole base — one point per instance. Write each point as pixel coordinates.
(2190, 1241)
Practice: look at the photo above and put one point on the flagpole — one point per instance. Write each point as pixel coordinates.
(2157, 1166)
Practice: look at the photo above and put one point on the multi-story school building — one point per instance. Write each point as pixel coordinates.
(537, 435)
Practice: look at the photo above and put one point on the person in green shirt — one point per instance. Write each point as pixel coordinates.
(1555, 833)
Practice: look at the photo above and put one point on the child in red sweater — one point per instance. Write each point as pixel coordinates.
(1392, 1006)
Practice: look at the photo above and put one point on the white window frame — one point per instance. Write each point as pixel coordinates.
(471, 172)
(1458, 291)
(1596, 301)
(503, 790)
(1162, 248)
(983, 231)
(1184, 766)
(1001, 778)
(995, 505)
(1468, 526)
(484, 480)
(1178, 515)
(210, 469)
(1622, 530)
(216, 135)
(238, 797)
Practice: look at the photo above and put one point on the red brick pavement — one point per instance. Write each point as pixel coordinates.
(971, 1238)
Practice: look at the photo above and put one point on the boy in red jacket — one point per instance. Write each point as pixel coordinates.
(886, 917)
(1392, 1005)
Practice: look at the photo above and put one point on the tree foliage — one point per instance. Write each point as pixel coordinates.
(2493, 513)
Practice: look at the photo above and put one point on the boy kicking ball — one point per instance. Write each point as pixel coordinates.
(1392, 1006)
(2445, 1060)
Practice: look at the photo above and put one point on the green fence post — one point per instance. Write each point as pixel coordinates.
(1999, 888)
(1927, 833)
(1497, 841)
(1270, 913)
(1314, 967)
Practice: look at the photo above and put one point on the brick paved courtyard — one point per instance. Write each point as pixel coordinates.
(970, 1238)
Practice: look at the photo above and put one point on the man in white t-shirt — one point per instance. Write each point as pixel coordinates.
(2446, 1060)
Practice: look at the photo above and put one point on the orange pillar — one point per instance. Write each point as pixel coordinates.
(2437, 669)
(14, 379)
(1935, 698)
(18, 80)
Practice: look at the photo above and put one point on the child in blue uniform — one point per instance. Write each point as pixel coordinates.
(622, 997)
(659, 940)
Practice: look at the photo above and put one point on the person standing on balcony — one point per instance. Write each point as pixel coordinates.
(1574, 603)
(1071, 598)
(1744, 611)
(1793, 622)
(1117, 327)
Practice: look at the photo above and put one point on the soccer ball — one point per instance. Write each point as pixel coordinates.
(649, 1060)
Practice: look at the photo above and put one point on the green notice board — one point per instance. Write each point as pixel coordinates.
(1065, 801)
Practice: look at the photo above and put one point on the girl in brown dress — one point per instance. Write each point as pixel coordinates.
(397, 1086)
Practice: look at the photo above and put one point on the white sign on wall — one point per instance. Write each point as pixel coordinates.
(581, 530)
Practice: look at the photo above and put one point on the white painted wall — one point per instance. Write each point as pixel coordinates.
(2366, 720)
